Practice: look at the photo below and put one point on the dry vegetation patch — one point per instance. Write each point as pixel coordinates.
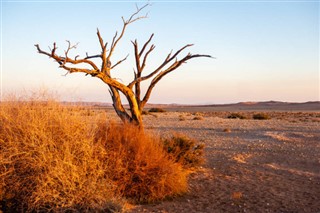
(185, 150)
(261, 116)
(65, 158)
(236, 115)
(157, 110)
(49, 160)
(141, 167)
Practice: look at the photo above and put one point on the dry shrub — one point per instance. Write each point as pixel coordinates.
(261, 116)
(140, 167)
(198, 118)
(49, 161)
(157, 110)
(53, 158)
(144, 112)
(236, 115)
(184, 150)
(182, 118)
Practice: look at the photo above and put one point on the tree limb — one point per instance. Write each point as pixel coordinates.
(168, 59)
(131, 19)
(136, 55)
(146, 56)
(92, 56)
(145, 45)
(72, 70)
(174, 66)
(63, 60)
(100, 39)
(119, 62)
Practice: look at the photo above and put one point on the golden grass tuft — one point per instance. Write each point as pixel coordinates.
(55, 158)
(141, 168)
(49, 160)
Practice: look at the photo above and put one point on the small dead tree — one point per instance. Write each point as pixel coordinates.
(131, 91)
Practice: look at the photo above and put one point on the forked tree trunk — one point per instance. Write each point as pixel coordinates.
(135, 116)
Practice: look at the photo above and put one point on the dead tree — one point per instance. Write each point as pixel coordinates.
(131, 91)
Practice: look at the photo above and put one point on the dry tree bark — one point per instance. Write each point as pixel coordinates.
(132, 91)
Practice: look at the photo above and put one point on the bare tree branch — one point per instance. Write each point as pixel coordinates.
(140, 67)
(92, 56)
(145, 45)
(72, 70)
(131, 19)
(166, 62)
(119, 62)
(105, 68)
(174, 66)
(100, 39)
(146, 56)
(63, 60)
(137, 58)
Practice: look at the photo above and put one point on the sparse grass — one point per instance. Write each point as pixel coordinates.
(185, 150)
(53, 158)
(261, 116)
(157, 110)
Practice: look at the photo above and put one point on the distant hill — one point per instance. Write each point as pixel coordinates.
(248, 106)
(252, 106)
(271, 105)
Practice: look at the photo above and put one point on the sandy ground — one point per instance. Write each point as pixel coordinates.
(251, 165)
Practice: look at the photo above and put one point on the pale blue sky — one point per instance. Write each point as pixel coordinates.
(265, 50)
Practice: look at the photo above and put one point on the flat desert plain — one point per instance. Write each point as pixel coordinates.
(251, 165)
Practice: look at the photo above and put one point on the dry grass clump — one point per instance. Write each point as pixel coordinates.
(197, 113)
(49, 160)
(185, 150)
(236, 115)
(198, 118)
(141, 169)
(157, 110)
(53, 158)
(261, 116)
(182, 118)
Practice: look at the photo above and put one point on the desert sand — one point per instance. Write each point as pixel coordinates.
(251, 165)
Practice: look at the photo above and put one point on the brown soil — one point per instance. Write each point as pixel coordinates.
(251, 165)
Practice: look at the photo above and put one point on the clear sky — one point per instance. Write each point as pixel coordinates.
(265, 50)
